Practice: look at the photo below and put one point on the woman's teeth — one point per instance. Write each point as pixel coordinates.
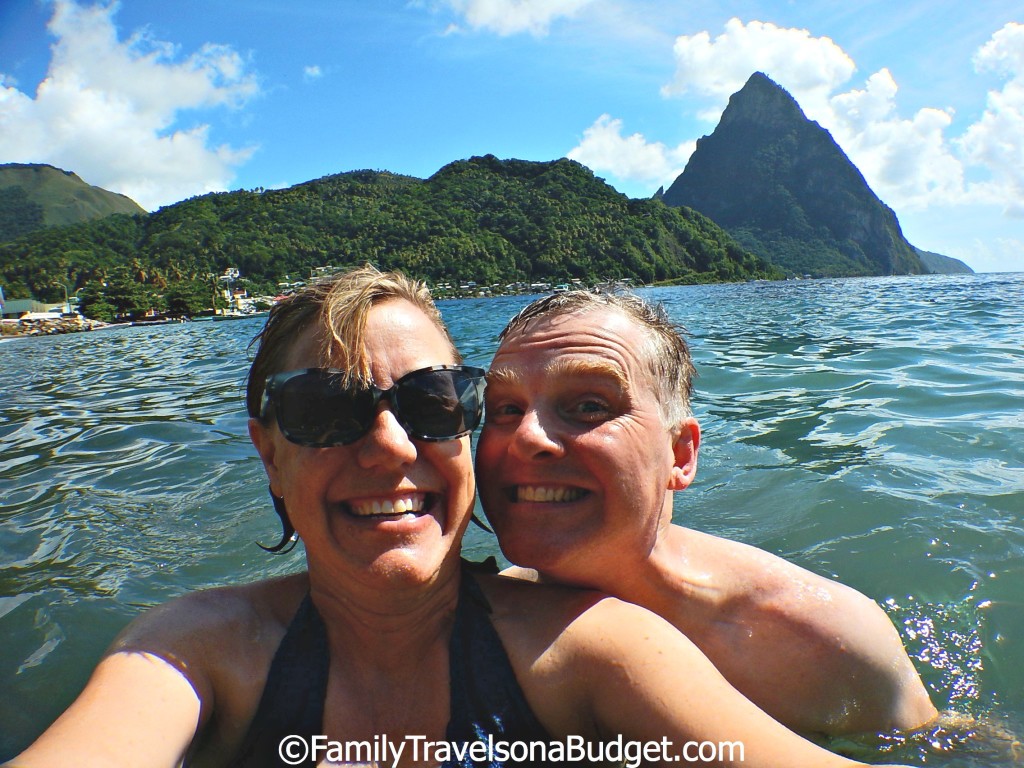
(401, 505)
(548, 493)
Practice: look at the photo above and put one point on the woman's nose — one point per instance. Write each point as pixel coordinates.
(387, 443)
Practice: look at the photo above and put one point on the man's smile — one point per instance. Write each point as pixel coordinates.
(545, 493)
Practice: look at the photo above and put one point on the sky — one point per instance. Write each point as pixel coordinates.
(163, 101)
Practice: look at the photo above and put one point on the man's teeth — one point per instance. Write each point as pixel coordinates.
(412, 503)
(548, 493)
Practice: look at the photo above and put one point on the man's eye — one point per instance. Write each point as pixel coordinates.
(590, 409)
(502, 410)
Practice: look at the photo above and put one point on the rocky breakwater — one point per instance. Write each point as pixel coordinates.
(48, 326)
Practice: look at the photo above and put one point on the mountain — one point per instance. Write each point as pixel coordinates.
(483, 220)
(938, 264)
(783, 188)
(37, 196)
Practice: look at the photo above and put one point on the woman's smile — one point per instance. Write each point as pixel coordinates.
(410, 503)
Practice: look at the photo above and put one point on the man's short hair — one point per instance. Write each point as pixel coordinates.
(667, 355)
(340, 305)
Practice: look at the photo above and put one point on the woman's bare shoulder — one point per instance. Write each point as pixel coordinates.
(217, 638)
(217, 613)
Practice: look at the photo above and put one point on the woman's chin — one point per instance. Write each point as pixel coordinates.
(398, 549)
(413, 565)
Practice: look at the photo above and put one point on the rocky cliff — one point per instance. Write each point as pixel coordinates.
(783, 188)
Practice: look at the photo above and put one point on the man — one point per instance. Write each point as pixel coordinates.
(588, 432)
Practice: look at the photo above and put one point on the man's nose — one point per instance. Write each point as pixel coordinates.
(536, 437)
(387, 443)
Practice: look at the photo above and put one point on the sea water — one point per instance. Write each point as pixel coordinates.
(871, 430)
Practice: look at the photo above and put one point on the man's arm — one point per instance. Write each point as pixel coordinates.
(815, 654)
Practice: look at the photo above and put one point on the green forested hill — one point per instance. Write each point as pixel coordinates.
(35, 196)
(484, 220)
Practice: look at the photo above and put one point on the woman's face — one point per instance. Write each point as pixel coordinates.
(387, 506)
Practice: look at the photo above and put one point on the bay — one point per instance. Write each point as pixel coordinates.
(869, 429)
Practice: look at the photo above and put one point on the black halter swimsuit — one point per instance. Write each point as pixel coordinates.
(486, 699)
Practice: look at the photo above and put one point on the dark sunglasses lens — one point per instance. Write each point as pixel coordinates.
(313, 410)
(440, 404)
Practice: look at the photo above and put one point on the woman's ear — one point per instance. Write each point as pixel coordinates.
(263, 439)
(684, 449)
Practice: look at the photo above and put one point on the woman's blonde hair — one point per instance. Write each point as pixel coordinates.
(339, 305)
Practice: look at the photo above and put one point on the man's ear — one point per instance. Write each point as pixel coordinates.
(684, 449)
(263, 440)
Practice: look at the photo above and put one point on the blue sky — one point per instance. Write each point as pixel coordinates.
(166, 100)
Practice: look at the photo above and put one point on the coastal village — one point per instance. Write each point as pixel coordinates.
(29, 317)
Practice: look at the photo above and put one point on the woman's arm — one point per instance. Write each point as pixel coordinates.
(137, 710)
(164, 676)
(639, 677)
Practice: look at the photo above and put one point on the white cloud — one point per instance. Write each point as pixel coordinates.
(510, 17)
(715, 69)
(812, 67)
(312, 72)
(910, 162)
(109, 109)
(630, 158)
(1002, 254)
(996, 141)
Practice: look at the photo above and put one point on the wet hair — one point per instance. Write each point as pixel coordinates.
(667, 355)
(339, 305)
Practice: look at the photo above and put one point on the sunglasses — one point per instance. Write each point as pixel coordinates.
(315, 410)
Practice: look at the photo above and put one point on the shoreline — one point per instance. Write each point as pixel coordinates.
(16, 329)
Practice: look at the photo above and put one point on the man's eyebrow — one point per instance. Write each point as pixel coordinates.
(594, 368)
(564, 367)
(497, 376)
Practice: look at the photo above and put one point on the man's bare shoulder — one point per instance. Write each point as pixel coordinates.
(751, 590)
(741, 575)
(760, 618)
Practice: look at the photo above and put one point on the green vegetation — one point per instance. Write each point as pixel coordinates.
(936, 263)
(485, 220)
(34, 196)
(18, 214)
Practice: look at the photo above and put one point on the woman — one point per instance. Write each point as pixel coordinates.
(361, 413)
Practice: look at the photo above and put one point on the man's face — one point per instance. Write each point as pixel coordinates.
(575, 460)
